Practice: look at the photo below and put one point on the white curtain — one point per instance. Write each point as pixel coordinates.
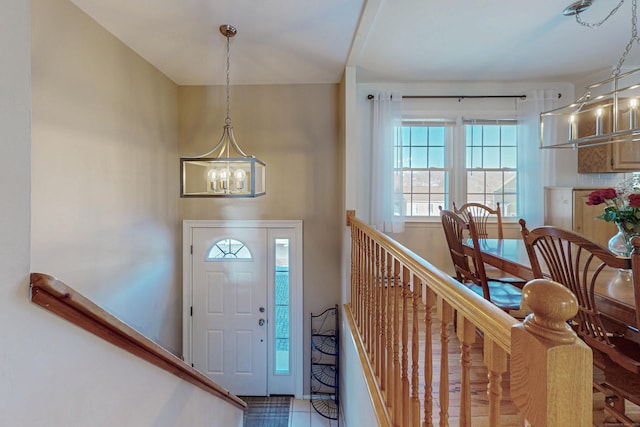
(387, 204)
(536, 167)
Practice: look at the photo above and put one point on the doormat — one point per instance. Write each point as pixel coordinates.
(272, 411)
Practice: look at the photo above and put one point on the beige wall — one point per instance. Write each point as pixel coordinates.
(105, 171)
(52, 373)
(294, 129)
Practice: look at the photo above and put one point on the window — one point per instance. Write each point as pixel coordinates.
(228, 249)
(491, 156)
(424, 172)
(282, 311)
(471, 161)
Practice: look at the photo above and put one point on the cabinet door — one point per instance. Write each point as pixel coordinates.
(595, 159)
(626, 155)
(585, 221)
(558, 211)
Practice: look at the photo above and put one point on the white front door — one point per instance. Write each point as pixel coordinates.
(230, 307)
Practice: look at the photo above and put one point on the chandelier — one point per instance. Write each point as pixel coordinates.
(607, 112)
(225, 171)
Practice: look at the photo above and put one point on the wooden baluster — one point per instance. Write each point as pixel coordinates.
(429, 304)
(384, 311)
(466, 332)
(353, 269)
(396, 390)
(415, 348)
(371, 298)
(366, 297)
(363, 280)
(551, 368)
(445, 320)
(358, 298)
(495, 358)
(375, 361)
(406, 407)
(388, 328)
(356, 257)
(381, 308)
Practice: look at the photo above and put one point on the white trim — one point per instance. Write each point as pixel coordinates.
(297, 287)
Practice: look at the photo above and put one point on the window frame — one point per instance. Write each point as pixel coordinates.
(455, 159)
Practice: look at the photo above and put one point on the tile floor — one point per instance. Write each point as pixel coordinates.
(303, 415)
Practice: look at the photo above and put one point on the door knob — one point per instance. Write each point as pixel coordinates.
(261, 322)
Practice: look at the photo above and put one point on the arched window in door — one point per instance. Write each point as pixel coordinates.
(228, 249)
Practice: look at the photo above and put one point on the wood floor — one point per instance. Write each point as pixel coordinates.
(480, 405)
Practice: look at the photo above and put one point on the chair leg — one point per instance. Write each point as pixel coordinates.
(614, 405)
(611, 407)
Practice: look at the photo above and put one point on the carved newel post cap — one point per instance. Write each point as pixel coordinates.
(552, 305)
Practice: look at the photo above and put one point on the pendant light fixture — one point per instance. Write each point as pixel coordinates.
(225, 171)
(607, 113)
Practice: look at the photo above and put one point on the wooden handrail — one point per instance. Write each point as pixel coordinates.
(495, 322)
(549, 366)
(56, 296)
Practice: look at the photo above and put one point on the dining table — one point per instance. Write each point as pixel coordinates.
(614, 289)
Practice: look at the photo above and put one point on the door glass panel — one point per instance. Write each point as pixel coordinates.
(282, 328)
(228, 249)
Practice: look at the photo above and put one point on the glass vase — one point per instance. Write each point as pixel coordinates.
(620, 243)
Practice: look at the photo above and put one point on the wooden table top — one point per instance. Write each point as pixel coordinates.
(614, 292)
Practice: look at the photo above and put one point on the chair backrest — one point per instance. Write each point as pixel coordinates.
(576, 262)
(467, 261)
(481, 214)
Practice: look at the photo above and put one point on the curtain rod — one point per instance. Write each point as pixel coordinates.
(458, 97)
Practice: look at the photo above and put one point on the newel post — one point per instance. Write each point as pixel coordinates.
(551, 368)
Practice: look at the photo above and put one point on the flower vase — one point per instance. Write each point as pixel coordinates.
(620, 243)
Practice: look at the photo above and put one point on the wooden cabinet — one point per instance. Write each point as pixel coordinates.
(617, 157)
(566, 207)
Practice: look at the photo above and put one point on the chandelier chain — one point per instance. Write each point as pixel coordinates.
(634, 31)
(597, 24)
(227, 121)
(634, 38)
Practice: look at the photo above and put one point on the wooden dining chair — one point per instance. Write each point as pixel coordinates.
(577, 262)
(481, 214)
(468, 263)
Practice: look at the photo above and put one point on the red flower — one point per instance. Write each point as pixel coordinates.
(634, 200)
(598, 197)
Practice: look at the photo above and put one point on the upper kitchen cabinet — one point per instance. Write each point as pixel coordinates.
(617, 157)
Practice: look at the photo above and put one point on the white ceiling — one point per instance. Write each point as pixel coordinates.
(311, 41)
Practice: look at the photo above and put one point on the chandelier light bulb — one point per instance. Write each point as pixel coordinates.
(239, 174)
(599, 113)
(224, 175)
(572, 127)
(212, 175)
